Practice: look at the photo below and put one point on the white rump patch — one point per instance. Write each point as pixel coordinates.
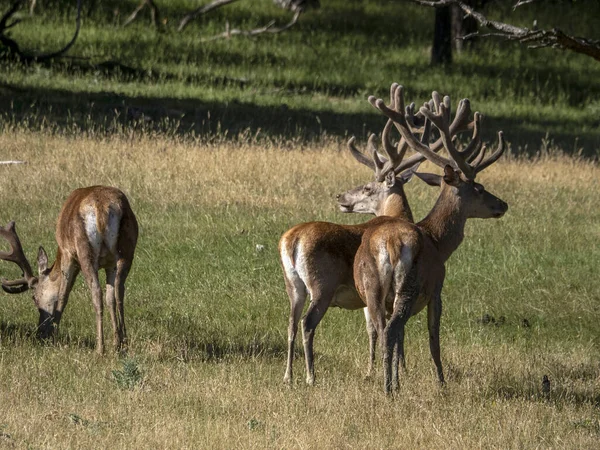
(91, 228)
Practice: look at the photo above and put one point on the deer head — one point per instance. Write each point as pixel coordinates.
(45, 289)
(458, 182)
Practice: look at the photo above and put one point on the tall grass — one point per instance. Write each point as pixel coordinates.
(207, 312)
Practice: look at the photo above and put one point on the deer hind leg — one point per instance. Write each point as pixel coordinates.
(109, 299)
(123, 267)
(297, 293)
(434, 314)
(319, 302)
(372, 333)
(91, 279)
(406, 293)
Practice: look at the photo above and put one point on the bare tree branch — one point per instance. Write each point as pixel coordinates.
(523, 2)
(532, 38)
(13, 47)
(155, 15)
(268, 28)
(202, 10)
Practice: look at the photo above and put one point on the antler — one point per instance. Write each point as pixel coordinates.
(17, 256)
(438, 112)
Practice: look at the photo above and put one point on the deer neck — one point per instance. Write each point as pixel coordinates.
(445, 224)
(396, 205)
(55, 274)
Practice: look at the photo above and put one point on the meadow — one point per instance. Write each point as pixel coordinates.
(220, 148)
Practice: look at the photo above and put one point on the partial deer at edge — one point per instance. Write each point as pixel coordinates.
(399, 266)
(96, 229)
(317, 257)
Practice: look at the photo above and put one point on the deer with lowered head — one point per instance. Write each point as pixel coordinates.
(399, 266)
(96, 229)
(317, 257)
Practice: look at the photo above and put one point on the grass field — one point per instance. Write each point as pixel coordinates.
(223, 146)
(207, 311)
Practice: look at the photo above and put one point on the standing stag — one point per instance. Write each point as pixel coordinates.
(399, 266)
(96, 230)
(317, 257)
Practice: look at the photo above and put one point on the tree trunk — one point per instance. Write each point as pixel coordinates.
(463, 25)
(441, 52)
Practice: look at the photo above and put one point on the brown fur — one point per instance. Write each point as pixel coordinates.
(328, 252)
(404, 288)
(76, 253)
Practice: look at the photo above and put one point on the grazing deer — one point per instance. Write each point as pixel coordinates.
(317, 257)
(399, 266)
(96, 230)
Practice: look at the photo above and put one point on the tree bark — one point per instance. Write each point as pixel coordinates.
(441, 52)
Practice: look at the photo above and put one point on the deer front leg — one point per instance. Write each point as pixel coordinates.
(434, 314)
(69, 271)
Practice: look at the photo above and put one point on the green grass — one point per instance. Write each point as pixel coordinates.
(207, 312)
(309, 81)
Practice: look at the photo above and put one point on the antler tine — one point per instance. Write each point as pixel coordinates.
(494, 156)
(474, 147)
(477, 160)
(16, 255)
(403, 127)
(359, 156)
(461, 118)
(418, 158)
(378, 162)
(388, 147)
(440, 120)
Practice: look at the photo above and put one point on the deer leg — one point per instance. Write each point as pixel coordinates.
(109, 299)
(297, 293)
(372, 333)
(317, 309)
(69, 271)
(90, 273)
(123, 267)
(434, 314)
(406, 294)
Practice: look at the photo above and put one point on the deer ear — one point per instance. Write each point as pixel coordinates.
(451, 176)
(430, 178)
(390, 179)
(407, 174)
(42, 260)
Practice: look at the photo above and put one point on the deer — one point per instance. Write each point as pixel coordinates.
(96, 229)
(399, 267)
(317, 257)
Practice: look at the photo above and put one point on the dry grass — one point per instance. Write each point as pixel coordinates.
(198, 283)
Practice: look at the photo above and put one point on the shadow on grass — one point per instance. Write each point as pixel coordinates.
(11, 332)
(106, 113)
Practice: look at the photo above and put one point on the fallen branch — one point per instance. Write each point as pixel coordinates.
(6, 163)
(154, 13)
(202, 10)
(554, 38)
(268, 28)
